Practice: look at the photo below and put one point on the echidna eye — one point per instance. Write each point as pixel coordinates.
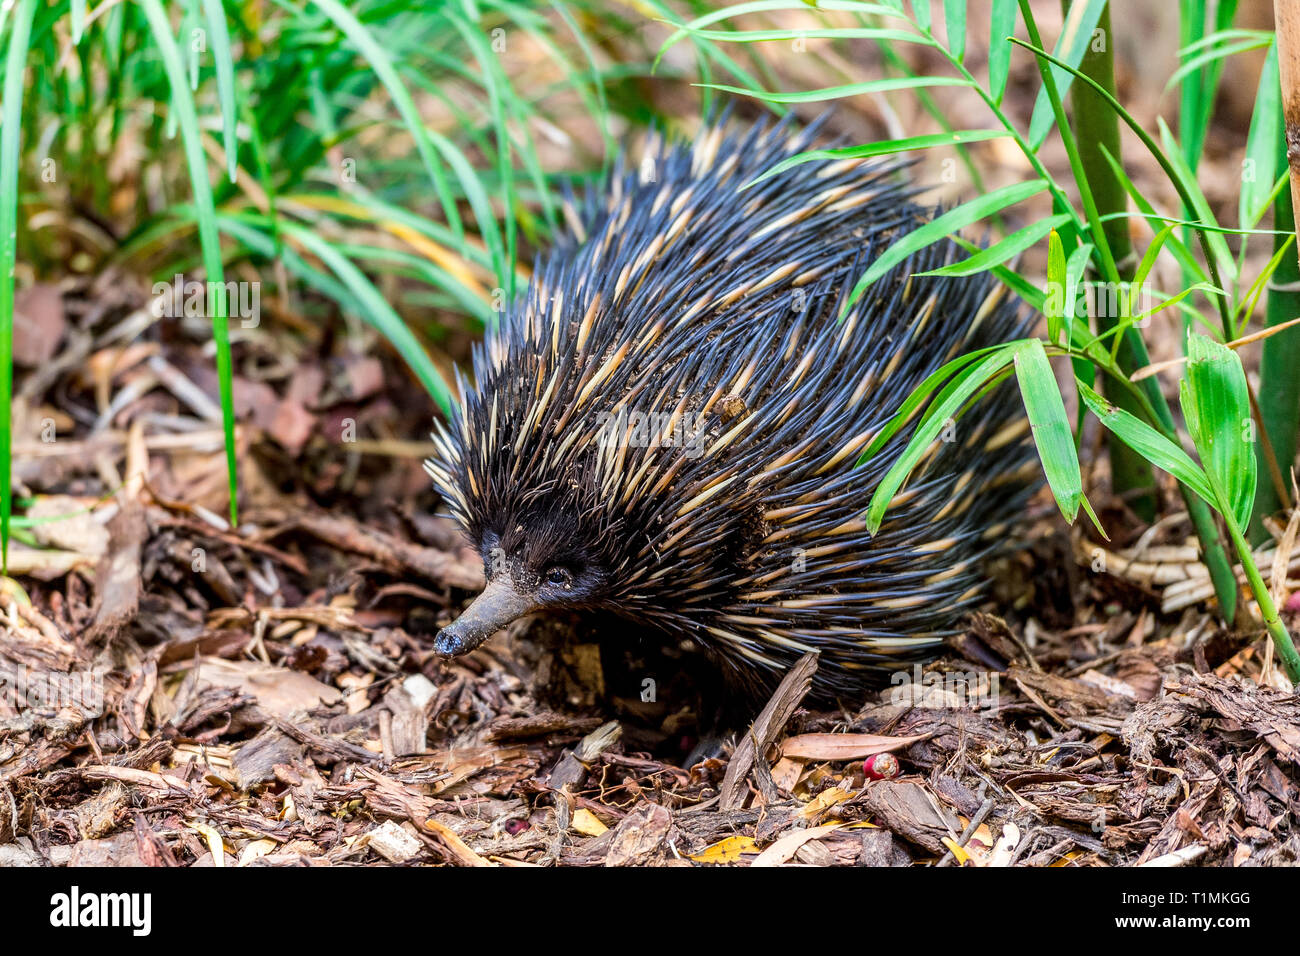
(559, 576)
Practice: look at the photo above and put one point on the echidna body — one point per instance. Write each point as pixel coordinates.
(666, 424)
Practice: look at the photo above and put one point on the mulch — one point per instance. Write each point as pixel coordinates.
(178, 692)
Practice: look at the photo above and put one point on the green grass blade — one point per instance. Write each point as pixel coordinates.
(954, 24)
(921, 12)
(882, 148)
(917, 398)
(1210, 56)
(205, 213)
(225, 66)
(10, 139)
(1261, 144)
(77, 8)
(839, 92)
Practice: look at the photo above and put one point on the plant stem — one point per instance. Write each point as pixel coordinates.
(1096, 127)
(1276, 629)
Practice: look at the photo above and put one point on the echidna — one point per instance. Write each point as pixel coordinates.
(666, 424)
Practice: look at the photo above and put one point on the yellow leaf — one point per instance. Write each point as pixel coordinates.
(727, 851)
(258, 848)
(213, 839)
(957, 851)
(823, 801)
(587, 823)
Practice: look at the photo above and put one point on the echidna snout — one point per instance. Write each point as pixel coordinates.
(542, 571)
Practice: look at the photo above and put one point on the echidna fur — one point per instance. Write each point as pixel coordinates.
(677, 293)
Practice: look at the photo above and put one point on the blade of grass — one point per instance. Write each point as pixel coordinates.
(882, 148)
(839, 92)
(1076, 36)
(225, 67)
(1000, 252)
(205, 213)
(10, 139)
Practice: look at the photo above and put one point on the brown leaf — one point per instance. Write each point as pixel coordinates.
(39, 324)
(843, 746)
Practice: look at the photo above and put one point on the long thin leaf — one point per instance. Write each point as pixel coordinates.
(1217, 409)
(839, 92)
(1149, 443)
(953, 220)
(205, 212)
(10, 139)
(1000, 252)
(1051, 427)
(1003, 26)
(954, 24)
(882, 148)
(225, 66)
(968, 381)
(1261, 144)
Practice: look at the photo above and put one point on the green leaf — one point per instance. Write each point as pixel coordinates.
(1216, 406)
(1148, 443)
(1004, 25)
(1209, 56)
(825, 33)
(225, 66)
(1000, 252)
(1051, 428)
(205, 213)
(1072, 44)
(918, 396)
(882, 148)
(11, 112)
(764, 6)
(839, 92)
(954, 24)
(954, 219)
(78, 10)
(1261, 144)
(970, 380)
(921, 10)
